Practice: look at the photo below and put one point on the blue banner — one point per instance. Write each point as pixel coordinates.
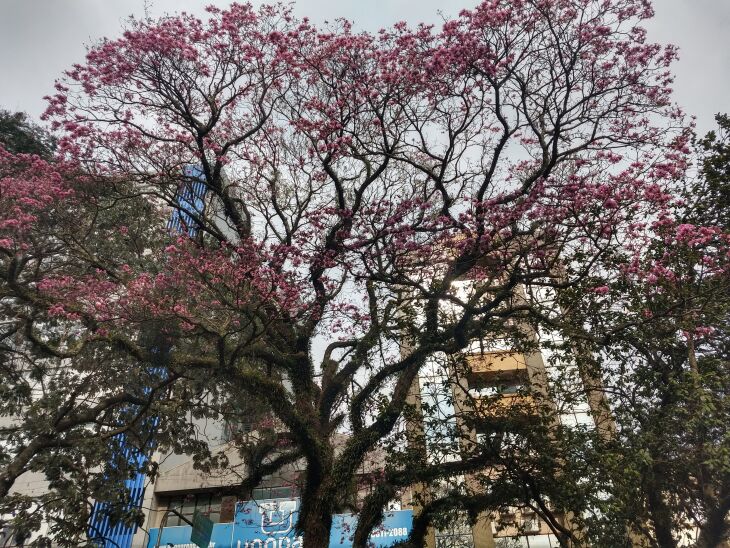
(271, 524)
(395, 527)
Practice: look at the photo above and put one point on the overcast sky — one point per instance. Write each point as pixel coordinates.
(41, 38)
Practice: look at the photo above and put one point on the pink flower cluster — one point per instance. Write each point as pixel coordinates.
(31, 189)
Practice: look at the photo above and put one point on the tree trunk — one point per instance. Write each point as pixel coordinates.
(661, 517)
(317, 501)
(715, 532)
(316, 527)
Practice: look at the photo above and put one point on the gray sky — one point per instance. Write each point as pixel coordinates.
(41, 38)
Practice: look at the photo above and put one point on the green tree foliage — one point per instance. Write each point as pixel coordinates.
(19, 134)
(62, 407)
(663, 458)
(713, 189)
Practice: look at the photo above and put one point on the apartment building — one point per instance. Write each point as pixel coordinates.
(486, 391)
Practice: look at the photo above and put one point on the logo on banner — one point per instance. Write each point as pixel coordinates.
(277, 517)
(270, 522)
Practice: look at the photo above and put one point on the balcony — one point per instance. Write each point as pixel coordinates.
(505, 404)
(496, 365)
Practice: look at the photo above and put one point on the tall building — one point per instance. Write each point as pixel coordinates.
(483, 396)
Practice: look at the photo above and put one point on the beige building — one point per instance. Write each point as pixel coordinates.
(481, 390)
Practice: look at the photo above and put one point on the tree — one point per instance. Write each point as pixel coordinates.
(353, 181)
(66, 400)
(665, 377)
(712, 186)
(18, 135)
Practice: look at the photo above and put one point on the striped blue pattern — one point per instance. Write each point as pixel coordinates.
(102, 531)
(190, 202)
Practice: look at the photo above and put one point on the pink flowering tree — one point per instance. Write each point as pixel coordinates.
(66, 392)
(373, 202)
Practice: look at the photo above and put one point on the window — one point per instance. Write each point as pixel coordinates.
(236, 429)
(529, 541)
(511, 386)
(263, 493)
(207, 504)
(513, 382)
(511, 542)
(530, 523)
(481, 346)
(542, 541)
(457, 534)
